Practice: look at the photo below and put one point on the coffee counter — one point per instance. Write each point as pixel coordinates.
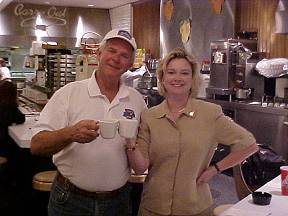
(269, 125)
(22, 133)
(247, 106)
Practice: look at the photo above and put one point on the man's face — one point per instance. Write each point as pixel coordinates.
(115, 58)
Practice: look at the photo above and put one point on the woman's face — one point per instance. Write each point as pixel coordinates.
(177, 78)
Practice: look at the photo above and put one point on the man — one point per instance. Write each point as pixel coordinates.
(4, 71)
(92, 171)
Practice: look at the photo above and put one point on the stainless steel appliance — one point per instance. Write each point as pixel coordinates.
(230, 69)
(222, 71)
(228, 59)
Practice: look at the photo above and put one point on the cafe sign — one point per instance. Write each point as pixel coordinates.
(51, 16)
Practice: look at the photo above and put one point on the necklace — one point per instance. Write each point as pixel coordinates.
(178, 111)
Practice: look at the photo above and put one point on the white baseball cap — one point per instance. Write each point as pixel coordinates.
(122, 34)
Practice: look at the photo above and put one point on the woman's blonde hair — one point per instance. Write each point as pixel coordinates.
(179, 53)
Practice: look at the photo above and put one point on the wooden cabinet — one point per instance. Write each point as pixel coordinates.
(146, 25)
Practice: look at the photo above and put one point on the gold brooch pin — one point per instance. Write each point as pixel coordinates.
(191, 113)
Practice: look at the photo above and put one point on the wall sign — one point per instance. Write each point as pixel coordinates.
(51, 16)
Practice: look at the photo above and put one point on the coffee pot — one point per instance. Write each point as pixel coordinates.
(243, 93)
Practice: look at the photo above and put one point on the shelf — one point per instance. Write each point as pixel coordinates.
(41, 88)
(33, 55)
(48, 46)
(38, 102)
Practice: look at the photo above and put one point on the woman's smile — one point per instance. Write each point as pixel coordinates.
(177, 77)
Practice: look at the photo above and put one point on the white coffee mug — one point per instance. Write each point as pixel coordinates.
(128, 128)
(108, 128)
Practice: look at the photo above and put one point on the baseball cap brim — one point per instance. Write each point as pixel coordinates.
(122, 34)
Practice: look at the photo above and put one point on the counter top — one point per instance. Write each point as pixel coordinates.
(22, 133)
(246, 105)
(277, 207)
(269, 125)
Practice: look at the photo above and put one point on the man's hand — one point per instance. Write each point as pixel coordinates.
(84, 131)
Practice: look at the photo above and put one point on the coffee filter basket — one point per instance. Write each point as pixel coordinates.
(90, 44)
(275, 67)
(86, 61)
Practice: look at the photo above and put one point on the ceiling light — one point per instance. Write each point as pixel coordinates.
(41, 27)
(91, 5)
(79, 32)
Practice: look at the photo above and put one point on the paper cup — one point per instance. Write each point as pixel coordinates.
(108, 128)
(284, 180)
(128, 128)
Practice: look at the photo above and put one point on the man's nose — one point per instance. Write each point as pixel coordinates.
(116, 58)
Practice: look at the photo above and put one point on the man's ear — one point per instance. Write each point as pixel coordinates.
(131, 66)
(98, 53)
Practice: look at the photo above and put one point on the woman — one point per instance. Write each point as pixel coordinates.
(9, 114)
(176, 142)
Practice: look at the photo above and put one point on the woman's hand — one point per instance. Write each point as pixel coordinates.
(206, 175)
(130, 144)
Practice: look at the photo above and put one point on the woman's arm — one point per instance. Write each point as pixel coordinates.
(136, 159)
(230, 160)
(230, 133)
(237, 157)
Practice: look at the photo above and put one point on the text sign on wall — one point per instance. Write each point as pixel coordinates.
(51, 16)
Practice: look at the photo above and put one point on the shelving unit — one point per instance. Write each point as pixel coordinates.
(54, 67)
(61, 70)
(40, 70)
(37, 102)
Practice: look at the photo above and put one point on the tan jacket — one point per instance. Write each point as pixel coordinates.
(178, 153)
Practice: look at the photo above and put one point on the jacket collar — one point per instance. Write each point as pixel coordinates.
(190, 109)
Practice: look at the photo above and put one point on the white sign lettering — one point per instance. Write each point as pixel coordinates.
(52, 16)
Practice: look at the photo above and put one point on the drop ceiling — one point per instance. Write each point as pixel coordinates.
(106, 4)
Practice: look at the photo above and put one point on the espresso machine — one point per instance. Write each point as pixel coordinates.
(231, 75)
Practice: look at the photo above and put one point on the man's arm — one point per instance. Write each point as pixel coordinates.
(50, 142)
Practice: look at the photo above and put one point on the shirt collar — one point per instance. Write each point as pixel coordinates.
(94, 90)
(189, 110)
